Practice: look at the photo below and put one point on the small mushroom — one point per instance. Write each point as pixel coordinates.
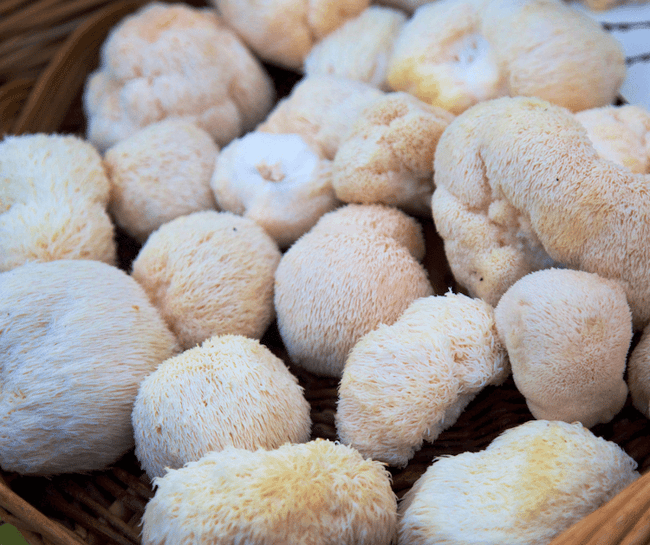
(405, 383)
(318, 493)
(360, 48)
(230, 391)
(388, 155)
(283, 32)
(53, 199)
(457, 53)
(159, 173)
(277, 180)
(175, 61)
(529, 485)
(77, 338)
(567, 334)
(321, 109)
(210, 273)
(333, 288)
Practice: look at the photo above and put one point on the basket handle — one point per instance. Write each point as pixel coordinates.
(623, 520)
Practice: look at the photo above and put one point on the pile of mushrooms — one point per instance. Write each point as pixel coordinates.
(307, 213)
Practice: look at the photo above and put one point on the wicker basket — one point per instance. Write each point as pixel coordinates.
(47, 49)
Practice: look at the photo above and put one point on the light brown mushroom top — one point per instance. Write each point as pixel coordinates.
(519, 185)
(567, 334)
(210, 273)
(333, 288)
(174, 60)
(321, 109)
(387, 157)
(530, 484)
(230, 391)
(316, 493)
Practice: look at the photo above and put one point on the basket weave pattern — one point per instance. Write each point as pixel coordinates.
(47, 49)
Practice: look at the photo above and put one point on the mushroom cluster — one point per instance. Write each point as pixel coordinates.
(313, 214)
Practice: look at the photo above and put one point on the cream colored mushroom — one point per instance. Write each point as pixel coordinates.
(175, 61)
(360, 48)
(567, 334)
(210, 273)
(620, 134)
(388, 155)
(529, 485)
(321, 109)
(520, 186)
(376, 218)
(283, 32)
(77, 339)
(317, 493)
(405, 383)
(53, 196)
(333, 288)
(230, 391)
(159, 173)
(277, 180)
(456, 53)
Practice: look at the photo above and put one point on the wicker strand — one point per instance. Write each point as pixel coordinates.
(50, 529)
(610, 524)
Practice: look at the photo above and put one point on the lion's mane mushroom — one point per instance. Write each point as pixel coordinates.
(277, 180)
(567, 334)
(230, 391)
(376, 218)
(456, 53)
(333, 288)
(283, 32)
(530, 484)
(159, 173)
(53, 197)
(360, 48)
(620, 134)
(321, 109)
(519, 185)
(175, 61)
(317, 493)
(210, 273)
(77, 338)
(387, 157)
(405, 383)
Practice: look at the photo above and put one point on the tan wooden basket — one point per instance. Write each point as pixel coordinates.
(47, 49)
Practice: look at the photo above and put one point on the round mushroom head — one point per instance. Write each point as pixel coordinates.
(175, 61)
(210, 273)
(315, 493)
(530, 484)
(160, 173)
(321, 109)
(378, 219)
(485, 49)
(230, 391)
(638, 376)
(277, 180)
(360, 48)
(53, 196)
(519, 187)
(283, 32)
(620, 134)
(388, 155)
(77, 339)
(405, 383)
(567, 334)
(331, 289)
